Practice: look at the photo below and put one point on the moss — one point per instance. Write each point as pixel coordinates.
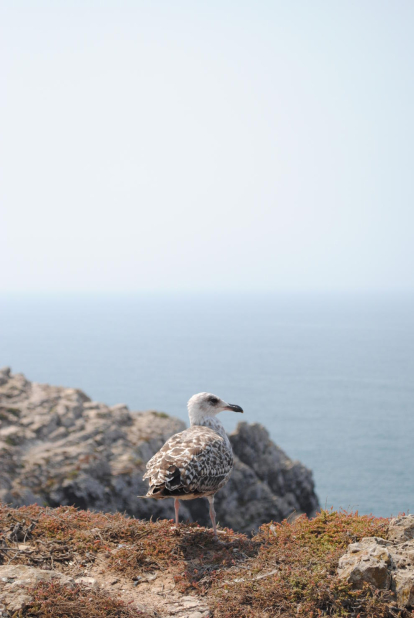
(160, 414)
(14, 411)
(6, 412)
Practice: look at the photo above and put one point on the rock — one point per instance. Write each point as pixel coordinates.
(12, 434)
(188, 607)
(4, 375)
(57, 447)
(401, 528)
(90, 582)
(21, 575)
(16, 602)
(367, 561)
(286, 478)
(403, 585)
(385, 564)
(14, 578)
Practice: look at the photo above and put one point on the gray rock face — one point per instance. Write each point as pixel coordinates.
(288, 480)
(57, 447)
(386, 564)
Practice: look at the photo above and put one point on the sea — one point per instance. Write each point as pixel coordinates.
(331, 376)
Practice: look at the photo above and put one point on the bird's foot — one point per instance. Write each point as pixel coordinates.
(218, 540)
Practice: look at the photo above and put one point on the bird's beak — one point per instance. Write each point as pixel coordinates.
(233, 407)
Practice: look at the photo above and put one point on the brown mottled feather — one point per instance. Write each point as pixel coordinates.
(193, 463)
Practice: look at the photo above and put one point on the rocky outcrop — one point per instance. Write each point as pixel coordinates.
(385, 564)
(57, 447)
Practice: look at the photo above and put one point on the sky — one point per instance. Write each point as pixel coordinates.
(220, 145)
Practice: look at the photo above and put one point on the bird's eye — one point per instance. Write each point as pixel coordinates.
(213, 400)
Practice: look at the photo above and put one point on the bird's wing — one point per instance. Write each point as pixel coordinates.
(195, 461)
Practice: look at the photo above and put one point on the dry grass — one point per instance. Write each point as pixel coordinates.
(286, 570)
(129, 546)
(52, 600)
(303, 557)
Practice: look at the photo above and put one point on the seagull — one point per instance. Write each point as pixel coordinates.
(197, 462)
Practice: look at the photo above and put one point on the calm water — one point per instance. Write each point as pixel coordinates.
(332, 378)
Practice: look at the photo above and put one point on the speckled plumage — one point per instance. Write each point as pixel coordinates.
(197, 462)
(194, 463)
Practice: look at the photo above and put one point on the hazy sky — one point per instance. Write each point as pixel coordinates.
(219, 145)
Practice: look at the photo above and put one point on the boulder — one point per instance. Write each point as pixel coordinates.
(401, 528)
(367, 561)
(385, 564)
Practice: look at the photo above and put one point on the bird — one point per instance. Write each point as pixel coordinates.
(196, 462)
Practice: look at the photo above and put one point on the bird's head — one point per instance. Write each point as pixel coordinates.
(203, 405)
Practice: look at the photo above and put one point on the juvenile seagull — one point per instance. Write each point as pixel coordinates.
(197, 462)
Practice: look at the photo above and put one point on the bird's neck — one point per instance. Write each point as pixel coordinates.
(213, 423)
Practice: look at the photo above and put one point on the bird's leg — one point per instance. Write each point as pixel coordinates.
(176, 507)
(212, 514)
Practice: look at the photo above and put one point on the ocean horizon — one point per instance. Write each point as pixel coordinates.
(331, 376)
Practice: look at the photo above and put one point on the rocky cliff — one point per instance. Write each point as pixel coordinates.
(57, 447)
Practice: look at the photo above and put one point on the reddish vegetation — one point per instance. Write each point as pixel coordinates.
(56, 601)
(305, 556)
(286, 570)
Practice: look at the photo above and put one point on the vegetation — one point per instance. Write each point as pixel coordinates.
(301, 559)
(160, 414)
(52, 600)
(285, 570)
